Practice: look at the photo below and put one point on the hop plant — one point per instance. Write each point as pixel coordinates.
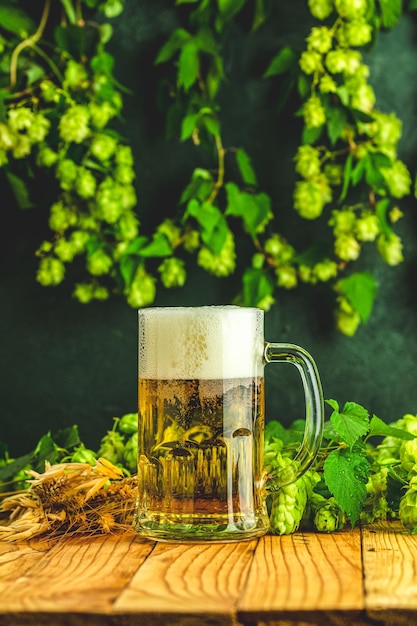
(327, 515)
(408, 505)
(288, 504)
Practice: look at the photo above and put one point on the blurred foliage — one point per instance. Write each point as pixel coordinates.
(60, 103)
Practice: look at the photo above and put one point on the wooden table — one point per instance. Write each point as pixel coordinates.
(357, 577)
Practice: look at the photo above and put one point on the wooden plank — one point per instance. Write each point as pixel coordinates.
(390, 573)
(80, 576)
(305, 577)
(188, 584)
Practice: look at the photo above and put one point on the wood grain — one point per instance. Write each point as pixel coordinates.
(82, 575)
(304, 575)
(390, 573)
(361, 577)
(189, 584)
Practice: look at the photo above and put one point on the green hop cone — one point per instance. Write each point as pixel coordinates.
(85, 184)
(128, 423)
(408, 505)
(173, 273)
(314, 113)
(142, 291)
(358, 32)
(321, 9)
(130, 454)
(347, 247)
(320, 39)
(307, 161)
(286, 277)
(397, 178)
(74, 124)
(103, 146)
(83, 455)
(328, 516)
(308, 199)
(99, 263)
(287, 508)
(221, 264)
(112, 447)
(51, 272)
(351, 9)
(288, 504)
(390, 248)
(310, 62)
(408, 455)
(376, 505)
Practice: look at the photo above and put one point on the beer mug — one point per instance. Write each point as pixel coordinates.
(201, 422)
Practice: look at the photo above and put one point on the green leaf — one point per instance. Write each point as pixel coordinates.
(373, 174)
(311, 135)
(128, 266)
(360, 289)
(391, 11)
(358, 171)
(3, 108)
(158, 247)
(346, 474)
(303, 85)
(211, 124)
(245, 167)
(351, 423)
(11, 469)
(15, 20)
(205, 41)
(178, 38)
(282, 62)
(188, 126)
(46, 450)
(380, 428)
(256, 286)
(20, 191)
(260, 14)
(67, 437)
(381, 209)
(211, 219)
(229, 8)
(336, 122)
(34, 72)
(136, 245)
(215, 75)
(188, 65)
(254, 209)
(200, 186)
(346, 176)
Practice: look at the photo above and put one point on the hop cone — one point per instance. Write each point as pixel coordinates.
(288, 504)
(328, 516)
(408, 505)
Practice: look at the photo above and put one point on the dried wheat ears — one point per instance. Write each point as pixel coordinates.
(70, 498)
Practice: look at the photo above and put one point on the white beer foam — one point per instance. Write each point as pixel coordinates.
(209, 342)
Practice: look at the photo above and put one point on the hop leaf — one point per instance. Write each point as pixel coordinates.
(346, 474)
(351, 423)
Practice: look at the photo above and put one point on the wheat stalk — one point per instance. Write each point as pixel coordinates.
(70, 498)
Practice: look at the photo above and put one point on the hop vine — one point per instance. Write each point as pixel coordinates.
(61, 115)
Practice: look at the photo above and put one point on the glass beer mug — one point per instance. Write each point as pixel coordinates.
(201, 422)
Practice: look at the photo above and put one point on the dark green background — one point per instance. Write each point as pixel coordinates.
(62, 362)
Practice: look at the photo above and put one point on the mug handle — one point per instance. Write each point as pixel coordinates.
(304, 362)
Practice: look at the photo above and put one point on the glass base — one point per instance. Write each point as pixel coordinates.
(189, 528)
